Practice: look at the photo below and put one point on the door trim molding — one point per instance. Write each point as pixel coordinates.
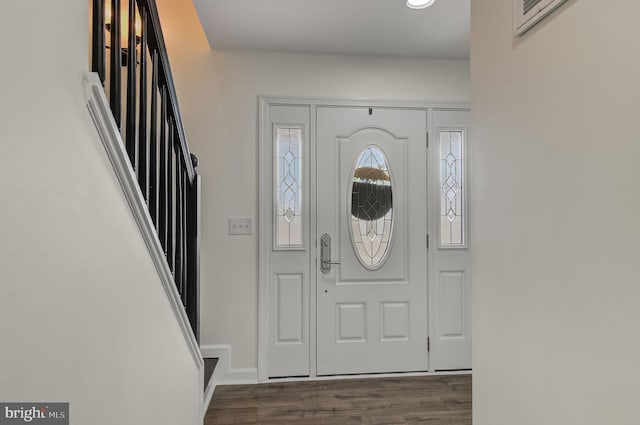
(264, 199)
(264, 195)
(339, 103)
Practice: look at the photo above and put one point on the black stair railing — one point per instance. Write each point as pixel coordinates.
(130, 57)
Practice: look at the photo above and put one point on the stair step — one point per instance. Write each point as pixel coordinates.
(209, 367)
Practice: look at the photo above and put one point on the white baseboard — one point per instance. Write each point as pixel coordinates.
(224, 374)
(369, 376)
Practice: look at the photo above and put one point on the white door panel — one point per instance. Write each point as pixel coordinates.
(372, 319)
(288, 255)
(450, 287)
(351, 271)
(290, 291)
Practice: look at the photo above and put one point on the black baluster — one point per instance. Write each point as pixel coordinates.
(131, 86)
(185, 217)
(162, 186)
(98, 46)
(115, 79)
(193, 245)
(143, 145)
(153, 142)
(178, 259)
(170, 224)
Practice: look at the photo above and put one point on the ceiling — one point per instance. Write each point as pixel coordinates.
(356, 27)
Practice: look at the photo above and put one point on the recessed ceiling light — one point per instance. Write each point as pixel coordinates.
(419, 4)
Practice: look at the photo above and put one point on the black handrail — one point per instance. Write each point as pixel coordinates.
(153, 132)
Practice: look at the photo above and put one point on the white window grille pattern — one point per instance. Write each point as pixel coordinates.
(289, 220)
(452, 232)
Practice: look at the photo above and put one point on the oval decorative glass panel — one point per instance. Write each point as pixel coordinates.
(371, 208)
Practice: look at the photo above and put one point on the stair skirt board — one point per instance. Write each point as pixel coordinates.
(208, 395)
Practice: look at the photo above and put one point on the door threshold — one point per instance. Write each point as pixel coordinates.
(367, 376)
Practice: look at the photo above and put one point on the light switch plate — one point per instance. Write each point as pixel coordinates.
(240, 226)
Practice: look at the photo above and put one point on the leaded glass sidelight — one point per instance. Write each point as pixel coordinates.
(451, 188)
(288, 197)
(371, 208)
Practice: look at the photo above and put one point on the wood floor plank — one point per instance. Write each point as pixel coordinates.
(435, 400)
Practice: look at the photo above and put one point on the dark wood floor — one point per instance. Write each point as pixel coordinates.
(435, 400)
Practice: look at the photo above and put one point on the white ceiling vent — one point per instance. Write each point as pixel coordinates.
(529, 12)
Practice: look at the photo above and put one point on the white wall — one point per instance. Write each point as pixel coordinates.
(218, 93)
(83, 316)
(556, 171)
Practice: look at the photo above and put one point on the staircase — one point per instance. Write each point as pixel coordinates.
(129, 56)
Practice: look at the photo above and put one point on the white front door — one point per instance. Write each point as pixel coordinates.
(372, 217)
